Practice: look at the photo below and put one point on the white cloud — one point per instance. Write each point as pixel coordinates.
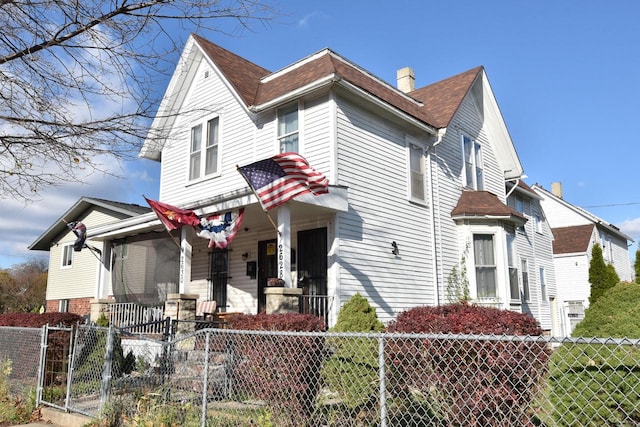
(21, 224)
(631, 227)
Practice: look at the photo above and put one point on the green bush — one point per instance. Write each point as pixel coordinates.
(615, 314)
(597, 384)
(351, 372)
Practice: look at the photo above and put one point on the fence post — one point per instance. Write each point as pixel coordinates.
(206, 381)
(383, 384)
(41, 365)
(106, 371)
(72, 347)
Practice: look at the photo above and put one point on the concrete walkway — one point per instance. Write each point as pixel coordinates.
(52, 417)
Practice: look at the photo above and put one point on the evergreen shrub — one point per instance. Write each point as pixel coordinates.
(597, 384)
(470, 381)
(351, 371)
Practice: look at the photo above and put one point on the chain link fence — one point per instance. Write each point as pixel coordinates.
(252, 378)
(222, 377)
(20, 358)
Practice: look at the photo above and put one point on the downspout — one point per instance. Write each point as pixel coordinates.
(512, 188)
(437, 232)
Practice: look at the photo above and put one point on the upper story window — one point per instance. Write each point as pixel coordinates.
(416, 172)
(485, 265)
(288, 130)
(203, 154)
(543, 284)
(526, 293)
(473, 166)
(538, 223)
(514, 287)
(67, 255)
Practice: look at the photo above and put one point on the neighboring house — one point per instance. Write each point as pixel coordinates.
(76, 277)
(575, 231)
(418, 191)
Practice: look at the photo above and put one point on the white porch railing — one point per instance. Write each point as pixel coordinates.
(126, 315)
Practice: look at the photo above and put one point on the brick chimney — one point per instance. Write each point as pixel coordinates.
(556, 189)
(406, 79)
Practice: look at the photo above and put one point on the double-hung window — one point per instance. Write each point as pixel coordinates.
(514, 287)
(526, 294)
(203, 154)
(473, 167)
(67, 255)
(416, 172)
(543, 284)
(485, 264)
(288, 131)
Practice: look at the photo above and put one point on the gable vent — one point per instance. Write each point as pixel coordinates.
(206, 74)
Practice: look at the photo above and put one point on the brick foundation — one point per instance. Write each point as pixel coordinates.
(80, 306)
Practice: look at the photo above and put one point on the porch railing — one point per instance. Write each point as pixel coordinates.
(318, 305)
(147, 319)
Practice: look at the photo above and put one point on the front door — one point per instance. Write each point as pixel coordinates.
(312, 270)
(267, 268)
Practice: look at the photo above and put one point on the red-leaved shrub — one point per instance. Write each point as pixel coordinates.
(282, 370)
(468, 381)
(35, 320)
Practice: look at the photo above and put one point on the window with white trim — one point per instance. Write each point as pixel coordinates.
(67, 255)
(485, 265)
(203, 153)
(416, 172)
(514, 286)
(288, 130)
(537, 219)
(473, 165)
(526, 293)
(543, 284)
(63, 306)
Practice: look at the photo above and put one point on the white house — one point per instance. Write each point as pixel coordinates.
(418, 191)
(575, 231)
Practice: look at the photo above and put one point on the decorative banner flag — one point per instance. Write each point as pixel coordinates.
(221, 228)
(283, 177)
(80, 230)
(173, 217)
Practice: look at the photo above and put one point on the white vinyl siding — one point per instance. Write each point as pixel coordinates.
(372, 160)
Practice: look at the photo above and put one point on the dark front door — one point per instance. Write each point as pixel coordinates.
(312, 270)
(219, 262)
(267, 268)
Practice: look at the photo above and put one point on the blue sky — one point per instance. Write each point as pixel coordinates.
(564, 73)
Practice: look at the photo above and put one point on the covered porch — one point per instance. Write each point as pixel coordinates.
(144, 263)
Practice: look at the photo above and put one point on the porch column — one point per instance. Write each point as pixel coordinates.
(284, 244)
(185, 261)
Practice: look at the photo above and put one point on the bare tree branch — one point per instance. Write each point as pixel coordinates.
(78, 79)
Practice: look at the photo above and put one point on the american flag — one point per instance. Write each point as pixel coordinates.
(283, 177)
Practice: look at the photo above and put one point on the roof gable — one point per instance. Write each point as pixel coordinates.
(572, 239)
(442, 99)
(78, 210)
